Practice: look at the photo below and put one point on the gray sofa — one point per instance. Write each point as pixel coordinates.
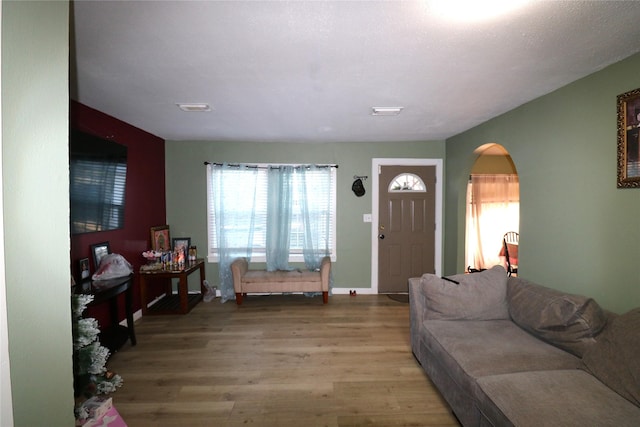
(504, 351)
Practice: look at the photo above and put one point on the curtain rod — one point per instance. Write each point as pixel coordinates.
(266, 167)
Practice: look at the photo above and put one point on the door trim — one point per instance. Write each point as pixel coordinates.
(375, 183)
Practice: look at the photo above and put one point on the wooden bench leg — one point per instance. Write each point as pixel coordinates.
(238, 298)
(325, 297)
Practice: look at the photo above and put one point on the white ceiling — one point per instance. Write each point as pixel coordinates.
(311, 71)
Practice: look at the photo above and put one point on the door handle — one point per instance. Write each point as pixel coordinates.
(381, 236)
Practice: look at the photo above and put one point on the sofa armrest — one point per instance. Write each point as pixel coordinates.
(417, 313)
(238, 269)
(325, 271)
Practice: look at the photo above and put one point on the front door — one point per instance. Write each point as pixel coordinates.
(406, 225)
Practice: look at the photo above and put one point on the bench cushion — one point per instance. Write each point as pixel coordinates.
(261, 276)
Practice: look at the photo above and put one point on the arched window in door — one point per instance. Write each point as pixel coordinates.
(407, 182)
(493, 206)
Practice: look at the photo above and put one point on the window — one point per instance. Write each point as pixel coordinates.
(96, 190)
(493, 208)
(407, 182)
(246, 194)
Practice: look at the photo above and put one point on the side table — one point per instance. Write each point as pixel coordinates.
(181, 303)
(107, 291)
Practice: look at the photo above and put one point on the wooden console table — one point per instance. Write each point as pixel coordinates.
(181, 303)
(107, 291)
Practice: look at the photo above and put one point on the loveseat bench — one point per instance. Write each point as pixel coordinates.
(504, 351)
(247, 281)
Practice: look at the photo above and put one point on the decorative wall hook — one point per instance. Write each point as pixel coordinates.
(358, 187)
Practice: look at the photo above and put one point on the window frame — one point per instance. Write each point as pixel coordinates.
(259, 254)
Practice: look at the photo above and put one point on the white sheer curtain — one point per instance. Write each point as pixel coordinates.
(234, 190)
(493, 208)
(278, 210)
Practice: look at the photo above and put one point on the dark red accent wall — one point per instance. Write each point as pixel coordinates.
(145, 205)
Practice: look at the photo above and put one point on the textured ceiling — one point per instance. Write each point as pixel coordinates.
(311, 71)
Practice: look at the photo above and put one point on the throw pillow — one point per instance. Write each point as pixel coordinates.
(477, 296)
(615, 360)
(570, 322)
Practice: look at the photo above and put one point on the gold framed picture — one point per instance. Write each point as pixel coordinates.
(160, 240)
(628, 141)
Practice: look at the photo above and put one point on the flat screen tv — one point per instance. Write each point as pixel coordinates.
(97, 183)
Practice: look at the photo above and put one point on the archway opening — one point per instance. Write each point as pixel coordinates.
(493, 209)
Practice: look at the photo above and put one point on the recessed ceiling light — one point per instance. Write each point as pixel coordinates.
(386, 111)
(194, 108)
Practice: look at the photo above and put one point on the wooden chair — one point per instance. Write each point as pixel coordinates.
(510, 242)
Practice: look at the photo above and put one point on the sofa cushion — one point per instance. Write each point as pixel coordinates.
(478, 296)
(568, 321)
(456, 353)
(553, 398)
(615, 358)
(488, 347)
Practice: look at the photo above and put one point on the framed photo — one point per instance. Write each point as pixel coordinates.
(99, 250)
(181, 243)
(160, 238)
(85, 272)
(193, 253)
(628, 141)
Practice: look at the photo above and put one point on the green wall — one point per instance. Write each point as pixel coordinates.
(578, 232)
(35, 104)
(186, 190)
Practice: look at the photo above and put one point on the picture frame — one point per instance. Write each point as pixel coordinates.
(160, 238)
(181, 242)
(99, 250)
(628, 109)
(84, 269)
(193, 253)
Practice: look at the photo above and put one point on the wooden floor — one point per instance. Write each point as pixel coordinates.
(278, 361)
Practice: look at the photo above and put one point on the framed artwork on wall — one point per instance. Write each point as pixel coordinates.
(160, 240)
(628, 140)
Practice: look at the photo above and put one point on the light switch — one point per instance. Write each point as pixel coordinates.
(366, 217)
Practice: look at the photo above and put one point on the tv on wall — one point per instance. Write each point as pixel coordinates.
(97, 183)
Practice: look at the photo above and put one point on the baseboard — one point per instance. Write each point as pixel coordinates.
(346, 291)
(138, 314)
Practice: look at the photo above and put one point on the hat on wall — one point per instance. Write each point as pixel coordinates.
(358, 188)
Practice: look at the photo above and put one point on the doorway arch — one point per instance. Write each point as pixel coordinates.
(492, 206)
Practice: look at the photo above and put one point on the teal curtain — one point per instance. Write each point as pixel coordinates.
(314, 206)
(279, 212)
(283, 207)
(234, 189)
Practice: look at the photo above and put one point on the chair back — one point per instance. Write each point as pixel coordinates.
(512, 237)
(510, 241)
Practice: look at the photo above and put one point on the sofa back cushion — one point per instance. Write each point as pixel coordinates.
(615, 358)
(477, 296)
(568, 321)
